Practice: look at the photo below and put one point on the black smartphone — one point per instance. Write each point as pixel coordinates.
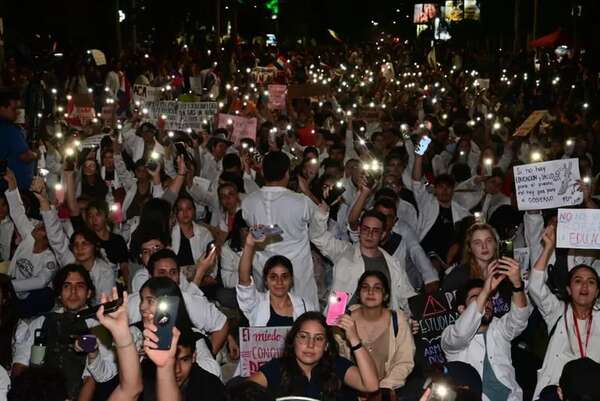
(3, 167)
(152, 165)
(337, 191)
(506, 249)
(109, 307)
(164, 319)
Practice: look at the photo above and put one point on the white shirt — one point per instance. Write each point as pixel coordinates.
(101, 273)
(7, 229)
(462, 342)
(198, 243)
(4, 384)
(563, 347)
(292, 212)
(210, 169)
(28, 271)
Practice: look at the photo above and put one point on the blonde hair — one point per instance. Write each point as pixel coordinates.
(468, 259)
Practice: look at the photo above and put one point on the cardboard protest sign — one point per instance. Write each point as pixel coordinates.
(243, 127)
(196, 85)
(263, 75)
(483, 83)
(109, 114)
(307, 90)
(433, 313)
(146, 93)
(277, 95)
(181, 115)
(578, 228)
(547, 185)
(98, 56)
(258, 345)
(533, 119)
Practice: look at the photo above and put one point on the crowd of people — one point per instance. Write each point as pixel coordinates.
(393, 179)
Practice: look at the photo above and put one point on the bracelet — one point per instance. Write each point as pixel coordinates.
(183, 175)
(518, 289)
(356, 347)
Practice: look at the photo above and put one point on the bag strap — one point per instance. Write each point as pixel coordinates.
(395, 322)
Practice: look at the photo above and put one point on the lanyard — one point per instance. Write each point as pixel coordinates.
(582, 351)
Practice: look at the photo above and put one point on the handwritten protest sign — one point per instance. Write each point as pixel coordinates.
(181, 115)
(98, 56)
(578, 228)
(433, 313)
(483, 83)
(547, 185)
(277, 95)
(243, 127)
(258, 345)
(263, 75)
(146, 93)
(196, 85)
(533, 119)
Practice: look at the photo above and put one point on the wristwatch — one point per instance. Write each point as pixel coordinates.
(356, 347)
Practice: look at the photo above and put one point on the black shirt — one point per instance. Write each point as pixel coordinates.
(115, 248)
(276, 320)
(312, 388)
(439, 238)
(184, 256)
(200, 385)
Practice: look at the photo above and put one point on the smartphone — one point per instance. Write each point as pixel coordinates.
(336, 306)
(3, 167)
(210, 247)
(109, 307)
(272, 230)
(164, 319)
(88, 343)
(506, 249)
(423, 145)
(440, 391)
(152, 165)
(337, 191)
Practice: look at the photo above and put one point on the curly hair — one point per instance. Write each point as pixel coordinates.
(292, 378)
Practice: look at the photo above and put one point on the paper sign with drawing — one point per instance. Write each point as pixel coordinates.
(578, 228)
(547, 185)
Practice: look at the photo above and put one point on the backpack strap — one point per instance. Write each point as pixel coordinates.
(395, 322)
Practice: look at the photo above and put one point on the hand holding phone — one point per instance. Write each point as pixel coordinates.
(423, 145)
(109, 307)
(336, 307)
(88, 343)
(165, 318)
(269, 231)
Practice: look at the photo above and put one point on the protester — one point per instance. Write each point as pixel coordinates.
(384, 332)
(310, 365)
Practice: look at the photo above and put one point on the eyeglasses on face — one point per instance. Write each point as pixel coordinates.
(304, 338)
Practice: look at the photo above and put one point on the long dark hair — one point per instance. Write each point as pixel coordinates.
(292, 378)
(384, 282)
(98, 189)
(164, 286)
(568, 298)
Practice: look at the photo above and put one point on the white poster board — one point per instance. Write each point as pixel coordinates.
(146, 93)
(242, 127)
(578, 228)
(258, 345)
(181, 115)
(547, 185)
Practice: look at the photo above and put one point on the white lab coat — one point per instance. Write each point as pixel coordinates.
(230, 266)
(429, 209)
(7, 229)
(469, 193)
(4, 384)
(462, 342)
(204, 315)
(102, 274)
(563, 346)
(28, 271)
(210, 168)
(256, 305)
(349, 265)
(292, 212)
(134, 145)
(202, 237)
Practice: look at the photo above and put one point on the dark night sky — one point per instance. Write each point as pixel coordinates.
(87, 23)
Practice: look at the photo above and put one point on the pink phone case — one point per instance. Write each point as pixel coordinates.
(336, 306)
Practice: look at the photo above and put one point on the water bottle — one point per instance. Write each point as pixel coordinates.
(38, 349)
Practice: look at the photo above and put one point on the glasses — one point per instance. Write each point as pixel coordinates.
(305, 338)
(367, 288)
(370, 230)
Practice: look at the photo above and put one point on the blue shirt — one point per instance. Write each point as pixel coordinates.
(12, 145)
